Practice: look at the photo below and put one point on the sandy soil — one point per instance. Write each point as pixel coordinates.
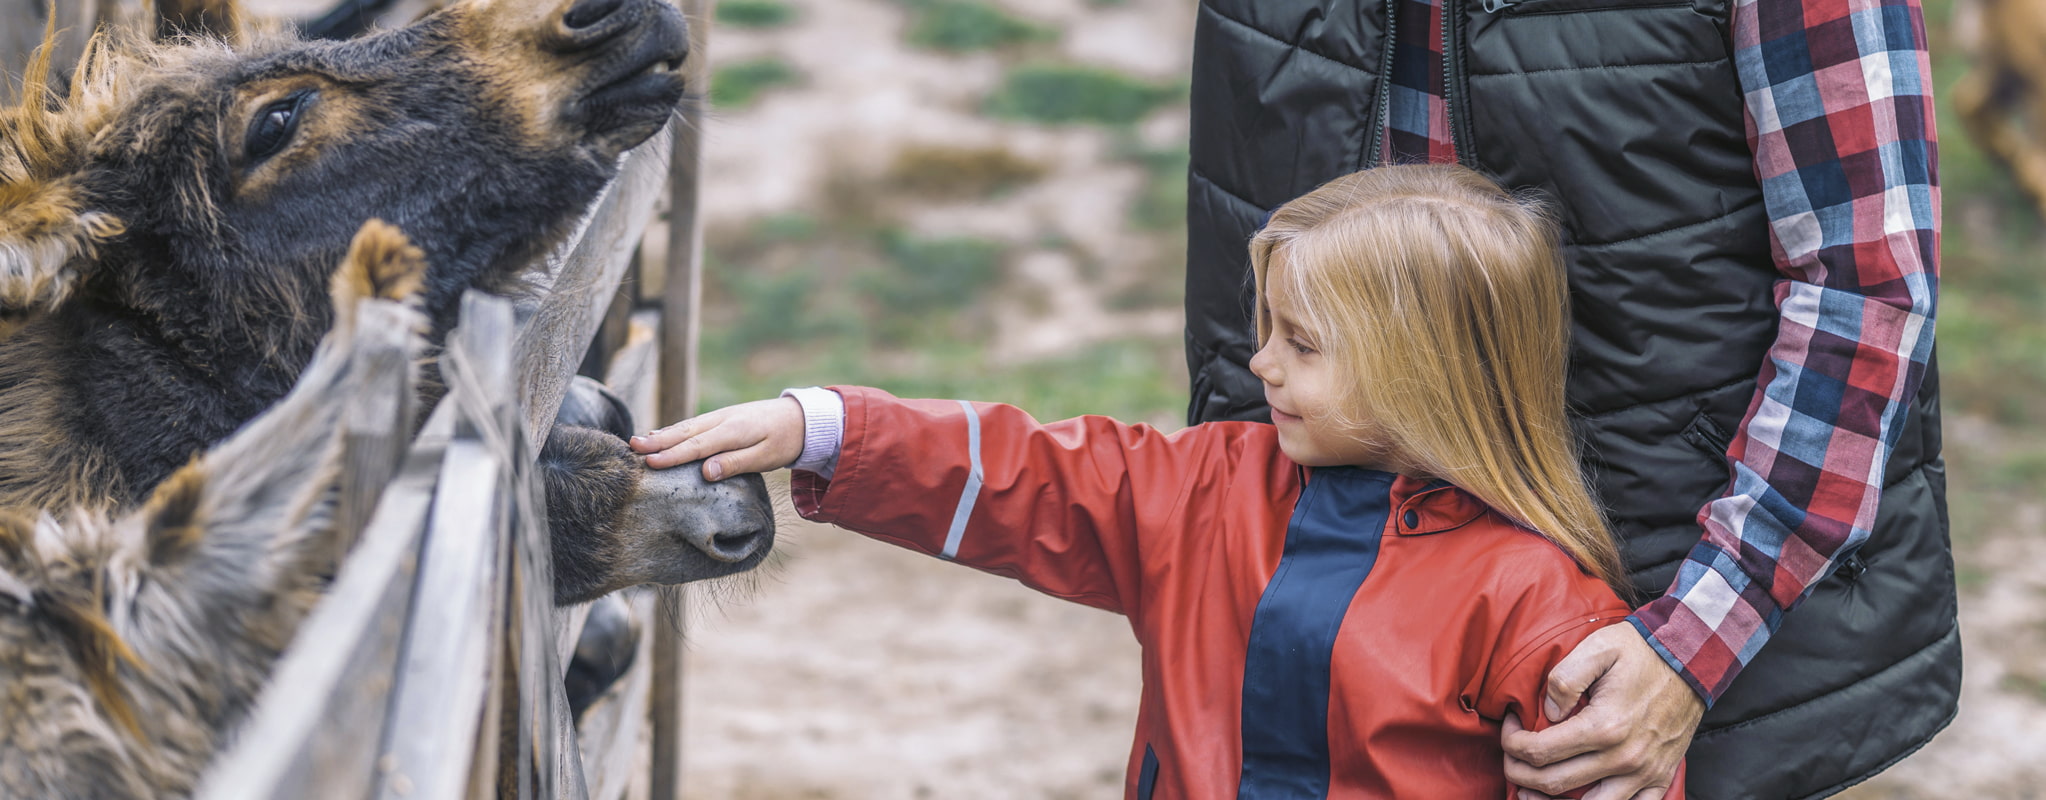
(859, 670)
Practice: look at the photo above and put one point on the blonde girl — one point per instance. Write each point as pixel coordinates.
(1345, 603)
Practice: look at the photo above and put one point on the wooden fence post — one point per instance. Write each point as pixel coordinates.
(681, 298)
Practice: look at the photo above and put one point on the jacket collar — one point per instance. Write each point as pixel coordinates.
(1422, 507)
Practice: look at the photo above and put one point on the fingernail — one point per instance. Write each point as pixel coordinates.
(713, 470)
(1555, 713)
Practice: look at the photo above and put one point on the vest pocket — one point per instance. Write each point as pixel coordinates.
(1707, 435)
(1147, 775)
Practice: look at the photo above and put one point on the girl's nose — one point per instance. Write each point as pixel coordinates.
(1264, 365)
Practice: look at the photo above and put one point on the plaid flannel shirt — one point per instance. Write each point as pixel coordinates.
(1839, 111)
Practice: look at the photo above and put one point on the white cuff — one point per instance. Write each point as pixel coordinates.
(823, 429)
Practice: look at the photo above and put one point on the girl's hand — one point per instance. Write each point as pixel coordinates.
(750, 437)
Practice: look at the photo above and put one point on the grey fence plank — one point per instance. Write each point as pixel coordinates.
(340, 671)
(582, 282)
(681, 297)
(440, 738)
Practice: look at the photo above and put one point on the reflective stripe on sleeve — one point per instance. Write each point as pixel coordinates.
(972, 491)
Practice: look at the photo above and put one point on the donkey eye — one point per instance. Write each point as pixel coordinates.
(274, 125)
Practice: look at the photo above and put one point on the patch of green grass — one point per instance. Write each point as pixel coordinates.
(959, 26)
(932, 274)
(2031, 686)
(738, 85)
(1161, 204)
(792, 227)
(772, 308)
(1070, 93)
(755, 13)
(1992, 356)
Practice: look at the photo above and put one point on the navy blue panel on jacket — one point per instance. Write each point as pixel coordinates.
(1330, 547)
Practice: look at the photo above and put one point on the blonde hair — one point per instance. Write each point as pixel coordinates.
(1445, 295)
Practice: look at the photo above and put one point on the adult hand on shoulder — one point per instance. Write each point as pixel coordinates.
(750, 437)
(1636, 724)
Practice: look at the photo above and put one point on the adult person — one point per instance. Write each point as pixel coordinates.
(1750, 206)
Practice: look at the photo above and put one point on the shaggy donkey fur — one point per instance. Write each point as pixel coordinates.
(167, 229)
(134, 643)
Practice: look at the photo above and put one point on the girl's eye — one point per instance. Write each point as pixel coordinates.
(1300, 347)
(273, 126)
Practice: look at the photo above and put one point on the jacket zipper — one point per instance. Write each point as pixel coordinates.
(1376, 157)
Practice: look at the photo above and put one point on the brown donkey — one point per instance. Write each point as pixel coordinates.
(167, 231)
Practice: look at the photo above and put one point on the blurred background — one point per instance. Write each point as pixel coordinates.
(984, 199)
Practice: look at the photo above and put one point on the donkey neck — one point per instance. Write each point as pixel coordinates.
(215, 356)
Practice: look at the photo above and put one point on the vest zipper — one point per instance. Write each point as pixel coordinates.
(1452, 58)
(1376, 157)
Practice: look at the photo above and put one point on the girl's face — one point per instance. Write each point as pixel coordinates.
(1305, 389)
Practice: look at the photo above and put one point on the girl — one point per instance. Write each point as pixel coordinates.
(1345, 603)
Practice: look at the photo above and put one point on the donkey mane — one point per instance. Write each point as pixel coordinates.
(45, 138)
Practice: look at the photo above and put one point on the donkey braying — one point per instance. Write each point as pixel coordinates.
(167, 231)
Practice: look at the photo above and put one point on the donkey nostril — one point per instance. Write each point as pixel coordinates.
(732, 543)
(589, 12)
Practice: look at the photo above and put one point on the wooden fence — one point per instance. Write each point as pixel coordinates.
(433, 667)
(437, 655)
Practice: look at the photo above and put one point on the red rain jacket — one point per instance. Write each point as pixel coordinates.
(1322, 632)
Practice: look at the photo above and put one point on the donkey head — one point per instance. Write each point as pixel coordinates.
(226, 182)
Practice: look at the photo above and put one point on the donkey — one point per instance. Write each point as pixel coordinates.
(135, 644)
(168, 226)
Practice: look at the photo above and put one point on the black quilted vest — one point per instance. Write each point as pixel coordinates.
(1626, 115)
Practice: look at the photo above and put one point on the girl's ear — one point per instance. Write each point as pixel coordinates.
(47, 237)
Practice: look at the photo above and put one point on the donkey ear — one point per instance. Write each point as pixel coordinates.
(173, 518)
(218, 19)
(47, 236)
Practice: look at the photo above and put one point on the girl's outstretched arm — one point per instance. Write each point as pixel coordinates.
(750, 437)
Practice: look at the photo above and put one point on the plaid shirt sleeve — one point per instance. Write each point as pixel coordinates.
(1839, 111)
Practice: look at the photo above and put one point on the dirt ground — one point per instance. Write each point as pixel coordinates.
(854, 669)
